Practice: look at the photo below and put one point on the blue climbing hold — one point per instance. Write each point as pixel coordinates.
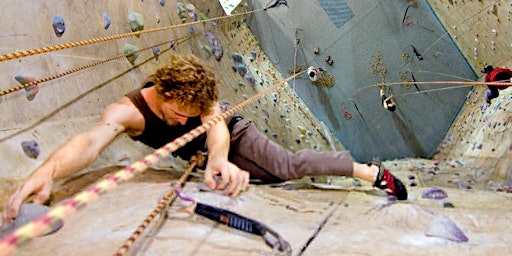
(215, 45)
(106, 20)
(30, 148)
(31, 90)
(250, 79)
(239, 63)
(58, 25)
(156, 51)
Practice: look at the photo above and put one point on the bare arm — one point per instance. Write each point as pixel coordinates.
(217, 141)
(74, 155)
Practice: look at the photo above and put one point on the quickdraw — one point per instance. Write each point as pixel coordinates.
(279, 245)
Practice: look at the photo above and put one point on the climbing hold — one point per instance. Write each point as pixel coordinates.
(31, 90)
(180, 8)
(316, 50)
(161, 2)
(207, 49)
(29, 213)
(250, 79)
(30, 148)
(239, 63)
(329, 60)
(58, 25)
(302, 130)
(265, 130)
(254, 54)
(131, 53)
(156, 51)
(265, 112)
(215, 45)
(191, 30)
(172, 44)
(445, 228)
(136, 21)
(434, 193)
(106, 20)
(190, 9)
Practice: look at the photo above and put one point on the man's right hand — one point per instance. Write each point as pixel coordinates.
(39, 185)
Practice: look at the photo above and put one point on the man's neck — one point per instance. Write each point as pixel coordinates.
(153, 100)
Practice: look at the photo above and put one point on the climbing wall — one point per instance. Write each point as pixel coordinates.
(399, 46)
(75, 82)
(480, 139)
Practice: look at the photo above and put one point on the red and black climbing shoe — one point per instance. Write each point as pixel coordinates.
(389, 183)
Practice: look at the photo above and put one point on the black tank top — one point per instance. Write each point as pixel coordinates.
(157, 132)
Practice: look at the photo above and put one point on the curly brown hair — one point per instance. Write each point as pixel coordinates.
(188, 81)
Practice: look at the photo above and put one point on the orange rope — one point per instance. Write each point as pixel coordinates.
(160, 206)
(104, 39)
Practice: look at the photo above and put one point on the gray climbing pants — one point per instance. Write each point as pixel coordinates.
(267, 161)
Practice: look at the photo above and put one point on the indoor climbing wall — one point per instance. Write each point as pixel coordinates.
(50, 94)
(480, 138)
(363, 47)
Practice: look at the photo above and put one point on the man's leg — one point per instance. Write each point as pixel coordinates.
(268, 161)
(253, 151)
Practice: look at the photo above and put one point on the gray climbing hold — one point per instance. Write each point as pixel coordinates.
(254, 54)
(30, 91)
(28, 213)
(30, 148)
(445, 228)
(156, 51)
(131, 53)
(265, 112)
(191, 30)
(239, 63)
(106, 20)
(59, 26)
(136, 21)
(215, 45)
(250, 80)
(161, 2)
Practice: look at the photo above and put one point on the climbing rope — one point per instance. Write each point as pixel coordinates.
(109, 38)
(66, 208)
(164, 202)
(74, 70)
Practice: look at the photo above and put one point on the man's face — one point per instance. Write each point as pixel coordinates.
(174, 114)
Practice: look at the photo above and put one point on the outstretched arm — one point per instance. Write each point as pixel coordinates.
(74, 155)
(217, 141)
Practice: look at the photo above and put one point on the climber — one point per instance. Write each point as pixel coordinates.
(177, 98)
(496, 75)
(387, 102)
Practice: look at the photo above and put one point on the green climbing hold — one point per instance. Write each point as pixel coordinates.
(131, 53)
(136, 21)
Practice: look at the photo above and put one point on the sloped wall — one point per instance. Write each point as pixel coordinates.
(481, 137)
(373, 44)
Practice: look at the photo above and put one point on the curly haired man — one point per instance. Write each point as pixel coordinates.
(175, 99)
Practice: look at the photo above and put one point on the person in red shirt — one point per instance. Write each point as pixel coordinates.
(496, 75)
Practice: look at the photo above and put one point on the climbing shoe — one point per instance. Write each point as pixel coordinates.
(389, 183)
